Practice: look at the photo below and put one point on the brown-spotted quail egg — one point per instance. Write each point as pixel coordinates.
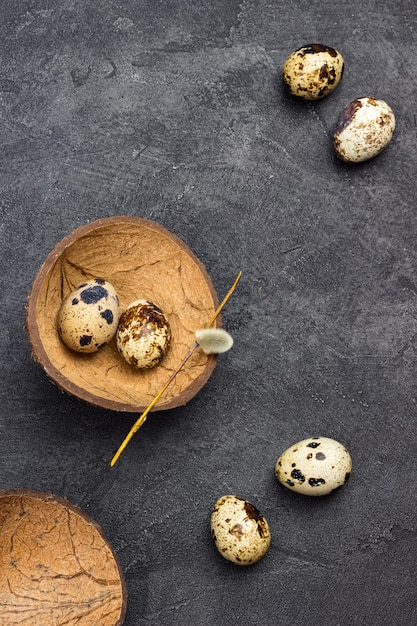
(89, 315)
(314, 466)
(313, 71)
(239, 531)
(363, 129)
(144, 334)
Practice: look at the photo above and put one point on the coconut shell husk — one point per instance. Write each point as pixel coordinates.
(141, 259)
(56, 566)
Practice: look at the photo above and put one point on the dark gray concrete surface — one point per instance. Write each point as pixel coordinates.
(174, 111)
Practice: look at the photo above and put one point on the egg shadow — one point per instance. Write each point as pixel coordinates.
(302, 504)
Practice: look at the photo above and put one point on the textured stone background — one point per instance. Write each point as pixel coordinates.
(174, 111)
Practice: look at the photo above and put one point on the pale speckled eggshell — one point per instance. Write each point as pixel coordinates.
(240, 532)
(89, 315)
(363, 129)
(143, 337)
(314, 467)
(313, 71)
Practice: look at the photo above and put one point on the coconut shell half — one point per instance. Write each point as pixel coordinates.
(142, 260)
(56, 567)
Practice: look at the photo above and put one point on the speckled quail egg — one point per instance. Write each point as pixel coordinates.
(363, 129)
(314, 466)
(239, 531)
(89, 315)
(313, 71)
(144, 335)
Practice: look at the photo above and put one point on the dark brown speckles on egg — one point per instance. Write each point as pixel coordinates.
(85, 340)
(296, 474)
(252, 512)
(347, 115)
(314, 48)
(108, 316)
(316, 482)
(237, 531)
(91, 295)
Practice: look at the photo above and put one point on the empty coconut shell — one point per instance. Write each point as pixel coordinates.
(56, 567)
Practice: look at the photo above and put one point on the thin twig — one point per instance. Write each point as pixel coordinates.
(141, 419)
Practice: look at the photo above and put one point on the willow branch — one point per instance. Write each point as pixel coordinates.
(141, 419)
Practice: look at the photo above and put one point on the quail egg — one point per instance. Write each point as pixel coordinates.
(314, 466)
(363, 129)
(143, 337)
(240, 532)
(313, 71)
(89, 315)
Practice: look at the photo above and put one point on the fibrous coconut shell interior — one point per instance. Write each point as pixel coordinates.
(142, 260)
(56, 567)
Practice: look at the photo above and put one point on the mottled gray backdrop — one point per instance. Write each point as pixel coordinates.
(175, 111)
